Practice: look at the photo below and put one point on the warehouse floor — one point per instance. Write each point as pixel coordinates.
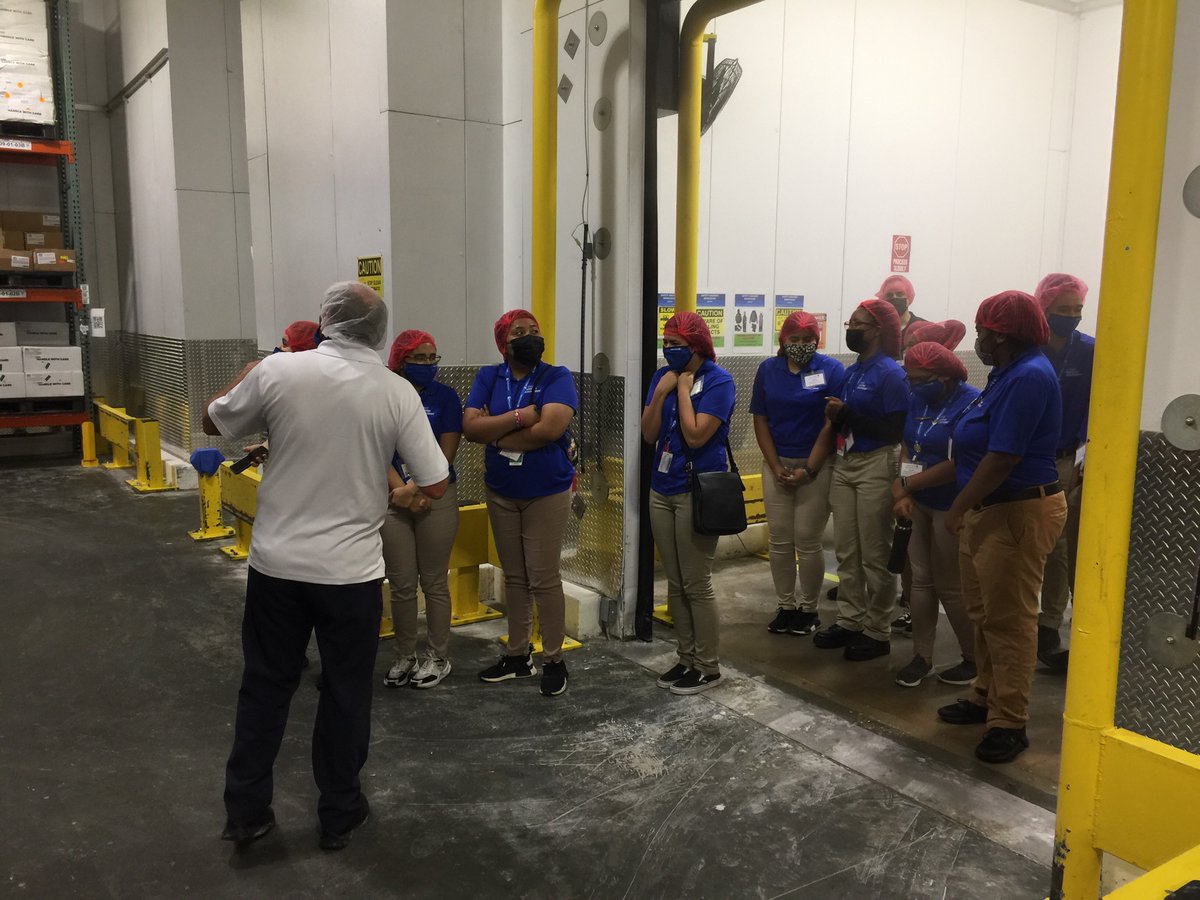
(119, 664)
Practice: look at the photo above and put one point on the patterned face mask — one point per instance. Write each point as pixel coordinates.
(801, 354)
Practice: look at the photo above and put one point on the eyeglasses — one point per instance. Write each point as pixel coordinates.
(424, 359)
(859, 326)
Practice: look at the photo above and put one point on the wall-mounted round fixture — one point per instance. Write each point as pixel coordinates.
(602, 113)
(1181, 422)
(1191, 192)
(598, 29)
(602, 243)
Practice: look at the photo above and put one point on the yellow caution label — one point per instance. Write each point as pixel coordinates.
(370, 272)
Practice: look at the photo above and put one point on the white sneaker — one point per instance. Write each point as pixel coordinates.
(430, 673)
(401, 673)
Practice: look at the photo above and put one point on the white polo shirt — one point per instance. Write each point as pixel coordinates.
(335, 416)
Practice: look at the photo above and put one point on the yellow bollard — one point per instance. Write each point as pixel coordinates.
(239, 496)
(472, 548)
(569, 643)
(87, 433)
(242, 531)
(211, 525)
(151, 476)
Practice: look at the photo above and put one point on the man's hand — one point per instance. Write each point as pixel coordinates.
(833, 408)
(954, 522)
(259, 453)
(402, 497)
(420, 504)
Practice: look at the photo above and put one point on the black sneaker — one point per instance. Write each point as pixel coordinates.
(963, 673)
(833, 637)
(243, 834)
(783, 618)
(554, 678)
(694, 682)
(340, 840)
(672, 675)
(912, 674)
(863, 648)
(1057, 661)
(902, 624)
(508, 668)
(831, 594)
(963, 712)
(803, 622)
(1001, 745)
(1049, 640)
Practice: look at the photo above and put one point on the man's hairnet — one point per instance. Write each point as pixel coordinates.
(897, 283)
(353, 312)
(1056, 284)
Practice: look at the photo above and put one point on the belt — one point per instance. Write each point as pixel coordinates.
(1030, 493)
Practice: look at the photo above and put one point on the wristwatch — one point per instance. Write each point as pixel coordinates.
(808, 470)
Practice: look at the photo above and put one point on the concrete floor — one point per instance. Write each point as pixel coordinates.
(119, 665)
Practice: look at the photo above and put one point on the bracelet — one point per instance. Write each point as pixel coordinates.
(517, 414)
(808, 470)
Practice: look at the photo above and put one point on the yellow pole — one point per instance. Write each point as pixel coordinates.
(545, 168)
(687, 174)
(1126, 281)
(87, 433)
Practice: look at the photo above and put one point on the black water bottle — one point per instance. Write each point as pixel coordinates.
(900, 546)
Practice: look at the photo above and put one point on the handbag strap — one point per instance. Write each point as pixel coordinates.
(687, 451)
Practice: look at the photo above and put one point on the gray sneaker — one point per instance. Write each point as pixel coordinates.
(401, 673)
(430, 673)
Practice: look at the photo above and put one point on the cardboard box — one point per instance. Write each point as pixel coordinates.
(20, 220)
(8, 334)
(16, 261)
(54, 384)
(47, 239)
(12, 385)
(51, 359)
(43, 334)
(53, 260)
(11, 239)
(12, 359)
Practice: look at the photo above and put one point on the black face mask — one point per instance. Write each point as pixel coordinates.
(856, 340)
(901, 306)
(527, 350)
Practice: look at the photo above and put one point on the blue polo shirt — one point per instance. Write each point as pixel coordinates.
(1019, 412)
(713, 393)
(875, 388)
(544, 471)
(443, 408)
(794, 402)
(930, 427)
(1074, 369)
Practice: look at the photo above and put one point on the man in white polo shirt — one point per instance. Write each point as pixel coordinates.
(336, 416)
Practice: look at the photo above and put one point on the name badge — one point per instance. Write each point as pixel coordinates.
(950, 448)
(697, 386)
(664, 461)
(514, 457)
(909, 469)
(404, 472)
(814, 380)
(844, 443)
(1080, 454)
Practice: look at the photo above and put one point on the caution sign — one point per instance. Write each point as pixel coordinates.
(786, 304)
(370, 272)
(711, 308)
(666, 309)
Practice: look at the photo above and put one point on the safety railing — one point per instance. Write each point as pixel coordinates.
(135, 444)
(207, 463)
(239, 497)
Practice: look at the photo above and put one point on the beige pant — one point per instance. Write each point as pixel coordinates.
(863, 524)
(1002, 554)
(1058, 585)
(933, 556)
(529, 538)
(796, 518)
(687, 558)
(417, 547)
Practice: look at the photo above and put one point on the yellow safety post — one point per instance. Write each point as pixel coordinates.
(687, 175)
(544, 249)
(1092, 779)
(211, 525)
(569, 643)
(151, 474)
(87, 435)
(114, 425)
(239, 496)
(1162, 881)
(473, 547)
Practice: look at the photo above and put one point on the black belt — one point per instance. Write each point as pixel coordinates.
(1031, 493)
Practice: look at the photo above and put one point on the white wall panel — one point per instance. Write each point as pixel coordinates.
(199, 90)
(425, 59)
(267, 325)
(517, 69)
(102, 266)
(516, 224)
(235, 90)
(484, 248)
(483, 24)
(142, 34)
(245, 266)
(254, 87)
(209, 265)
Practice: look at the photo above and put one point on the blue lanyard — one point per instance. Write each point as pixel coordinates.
(1066, 358)
(524, 387)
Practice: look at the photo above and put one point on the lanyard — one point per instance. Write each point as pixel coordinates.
(529, 381)
(1066, 357)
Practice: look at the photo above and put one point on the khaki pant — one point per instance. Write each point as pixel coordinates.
(417, 547)
(1002, 554)
(796, 519)
(687, 558)
(1058, 585)
(529, 537)
(863, 525)
(933, 556)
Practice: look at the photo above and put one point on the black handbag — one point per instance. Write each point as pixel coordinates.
(718, 504)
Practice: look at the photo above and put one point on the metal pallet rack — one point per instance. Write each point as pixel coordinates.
(38, 148)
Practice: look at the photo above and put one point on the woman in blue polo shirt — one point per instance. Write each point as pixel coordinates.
(865, 425)
(1008, 515)
(923, 492)
(686, 418)
(418, 534)
(788, 405)
(521, 409)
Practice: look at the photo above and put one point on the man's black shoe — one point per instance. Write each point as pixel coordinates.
(340, 840)
(834, 636)
(1001, 745)
(1049, 640)
(243, 834)
(963, 712)
(863, 648)
(1057, 661)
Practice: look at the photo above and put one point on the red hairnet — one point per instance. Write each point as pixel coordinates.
(888, 320)
(405, 343)
(948, 333)
(937, 359)
(691, 327)
(798, 321)
(892, 282)
(500, 329)
(1016, 314)
(1056, 284)
(301, 336)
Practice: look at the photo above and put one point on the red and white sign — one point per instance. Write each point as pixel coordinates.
(901, 250)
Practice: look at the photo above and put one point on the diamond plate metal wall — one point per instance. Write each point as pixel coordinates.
(1164, 546)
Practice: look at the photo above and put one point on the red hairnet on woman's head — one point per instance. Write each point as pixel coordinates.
(405, 343)
(301, 336)
(1016, 314)
(1056, 284)
(798, 321)
(900, 283)
(948, 333)
(888, 320)
(500, 329)
(691, 327)
(937, 359)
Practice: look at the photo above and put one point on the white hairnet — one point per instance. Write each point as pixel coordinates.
(353, 312)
